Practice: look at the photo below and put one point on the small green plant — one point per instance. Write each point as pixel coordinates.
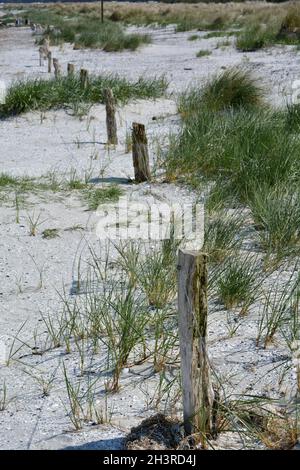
(50, 233)
(6, 180)
(74, 182)
(203, 53)
(34, 221)
(44, 381)
(193, 37)
(97, 196)
(76, 410)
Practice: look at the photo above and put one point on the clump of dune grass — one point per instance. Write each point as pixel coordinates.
(50, 233)
(203, 53)
(238, 282)
(234, 88)
(246, 147)
(221, 235)
(278, 309)
(276, 213)
(193, 37)
(249, 151)
(97, 196)
(39, 94)
(111, 38)
(255, 37)
(290, 27)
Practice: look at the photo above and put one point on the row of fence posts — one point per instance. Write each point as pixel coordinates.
(198, 394)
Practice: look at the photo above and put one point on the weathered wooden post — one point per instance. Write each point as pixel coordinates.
(71, 69)
(84, 77)
(140, 153)
(111, 123)
(57, 69)
(198, 394)
(49, 57)
(102, 11)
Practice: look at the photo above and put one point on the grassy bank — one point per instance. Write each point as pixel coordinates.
(84, 30)
(260, 24)
(250, 152)
(42, 94)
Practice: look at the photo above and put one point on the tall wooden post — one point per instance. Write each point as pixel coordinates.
(70, 69)
(111, 123)
(84, 77)
(102, 11)
(140, 153)
(49, 57)
(198, 394)
(57, 69)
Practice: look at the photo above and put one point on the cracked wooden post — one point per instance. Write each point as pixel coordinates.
(71, 69)
(49, 57)
(198, 394)
(140, 153)
(57, 69)
(84, 77)
(111, 123)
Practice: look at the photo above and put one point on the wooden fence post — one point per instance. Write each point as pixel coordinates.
(84, 77)
(49, 57)
(198, 394)
(140, 153)
(71, 69)
(111, 123)
(57, 69)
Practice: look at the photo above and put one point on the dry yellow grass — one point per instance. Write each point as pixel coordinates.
(201, 14)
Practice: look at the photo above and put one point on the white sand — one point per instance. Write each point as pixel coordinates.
(61, 144)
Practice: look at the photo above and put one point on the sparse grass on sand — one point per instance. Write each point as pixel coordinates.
(39, 94)
(97, 196)
(203, 53)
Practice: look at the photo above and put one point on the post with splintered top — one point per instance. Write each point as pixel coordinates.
(84, 78)
(198, 394)
(111, 123)
(140, 153)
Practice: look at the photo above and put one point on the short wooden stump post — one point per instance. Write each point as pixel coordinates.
(70, 69)
(198, 394)
(84, 78)
(140, 154)
(111, 123)
(49, 57)
(57, 69)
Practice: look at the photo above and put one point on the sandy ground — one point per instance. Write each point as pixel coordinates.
(57, 143)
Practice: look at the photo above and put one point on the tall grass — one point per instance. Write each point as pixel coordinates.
(86, 31)
(39, 94)
(276, 213)
(251, 151)
(238, 283)
(234, 88)
(244, 144)
(255, 37)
